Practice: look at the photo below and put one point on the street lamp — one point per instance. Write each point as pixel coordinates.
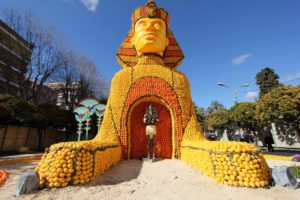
(234, 91)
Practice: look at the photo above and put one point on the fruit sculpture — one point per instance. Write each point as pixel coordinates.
(3, 176)
(150, 56)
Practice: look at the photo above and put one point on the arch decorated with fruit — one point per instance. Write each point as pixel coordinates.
(149, 75)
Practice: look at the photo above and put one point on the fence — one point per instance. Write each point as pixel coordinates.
(13, 137)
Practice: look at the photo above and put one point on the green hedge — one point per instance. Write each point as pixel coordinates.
(15, 111)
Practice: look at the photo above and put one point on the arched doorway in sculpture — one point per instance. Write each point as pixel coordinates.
(152, 89)
(137, 131)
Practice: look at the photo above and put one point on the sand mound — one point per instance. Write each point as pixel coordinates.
(135, 179)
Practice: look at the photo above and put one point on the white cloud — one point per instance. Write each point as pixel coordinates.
(240, 59)
(251, 96)
(90, 4)
(290, 77)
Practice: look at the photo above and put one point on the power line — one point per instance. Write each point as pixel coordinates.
(285, 82)
(298, 78)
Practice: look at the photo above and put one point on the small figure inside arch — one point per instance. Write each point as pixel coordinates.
(150, 119)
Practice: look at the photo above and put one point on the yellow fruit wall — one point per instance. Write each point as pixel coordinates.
(75, 163)
(228, 163)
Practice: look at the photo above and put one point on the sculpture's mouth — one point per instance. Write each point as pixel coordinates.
(150, 35)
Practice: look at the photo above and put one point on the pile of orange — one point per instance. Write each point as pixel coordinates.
(240, 170)
(72, 164)
(3, 176)
(229, 163)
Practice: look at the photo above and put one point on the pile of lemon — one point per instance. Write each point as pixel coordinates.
(105, 159)
(70, 163)
(229, 163)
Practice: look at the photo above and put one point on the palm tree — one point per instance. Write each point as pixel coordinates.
(213, 107)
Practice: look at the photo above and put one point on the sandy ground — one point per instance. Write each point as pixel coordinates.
(163, 179)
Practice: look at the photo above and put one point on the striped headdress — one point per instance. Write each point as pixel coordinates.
(127, 55)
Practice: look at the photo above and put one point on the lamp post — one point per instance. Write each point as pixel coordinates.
(234, 91)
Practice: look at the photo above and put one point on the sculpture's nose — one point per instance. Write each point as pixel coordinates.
(150, 27)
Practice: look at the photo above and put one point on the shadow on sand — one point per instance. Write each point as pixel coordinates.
(124, 171)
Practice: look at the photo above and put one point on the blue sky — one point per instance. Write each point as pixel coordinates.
(225, 41)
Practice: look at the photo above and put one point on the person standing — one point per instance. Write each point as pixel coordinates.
(237, 136)
(268, 139)
(252, 138)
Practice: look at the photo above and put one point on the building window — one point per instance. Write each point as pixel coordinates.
(14, 38)
(11, 51)
(2, 62)
(14, 84)
(15, 69)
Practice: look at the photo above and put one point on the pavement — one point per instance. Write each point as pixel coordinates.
(280, 152)
(20, 158)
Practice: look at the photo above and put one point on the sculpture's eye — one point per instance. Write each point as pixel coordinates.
(142, 24)
(157, 26)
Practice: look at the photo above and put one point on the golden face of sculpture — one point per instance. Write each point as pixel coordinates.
(150, 36)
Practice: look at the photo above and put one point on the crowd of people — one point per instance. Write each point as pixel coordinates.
(244, 135)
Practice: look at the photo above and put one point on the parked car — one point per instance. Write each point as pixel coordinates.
(211, 136)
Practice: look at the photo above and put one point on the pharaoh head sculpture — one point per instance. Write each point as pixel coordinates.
(150, 34)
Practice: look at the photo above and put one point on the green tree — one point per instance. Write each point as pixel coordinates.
(14, 111)
(281, 106)
(243, 114)
(20, 111)
(200, 114)
(51, 116)
(213, 107)
(4, 115)
(219, 121)
(267, 80)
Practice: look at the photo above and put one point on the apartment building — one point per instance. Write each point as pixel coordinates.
(15, 53)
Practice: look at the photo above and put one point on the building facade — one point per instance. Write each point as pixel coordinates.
(48, 95)
(61, 91)
(15, 53)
